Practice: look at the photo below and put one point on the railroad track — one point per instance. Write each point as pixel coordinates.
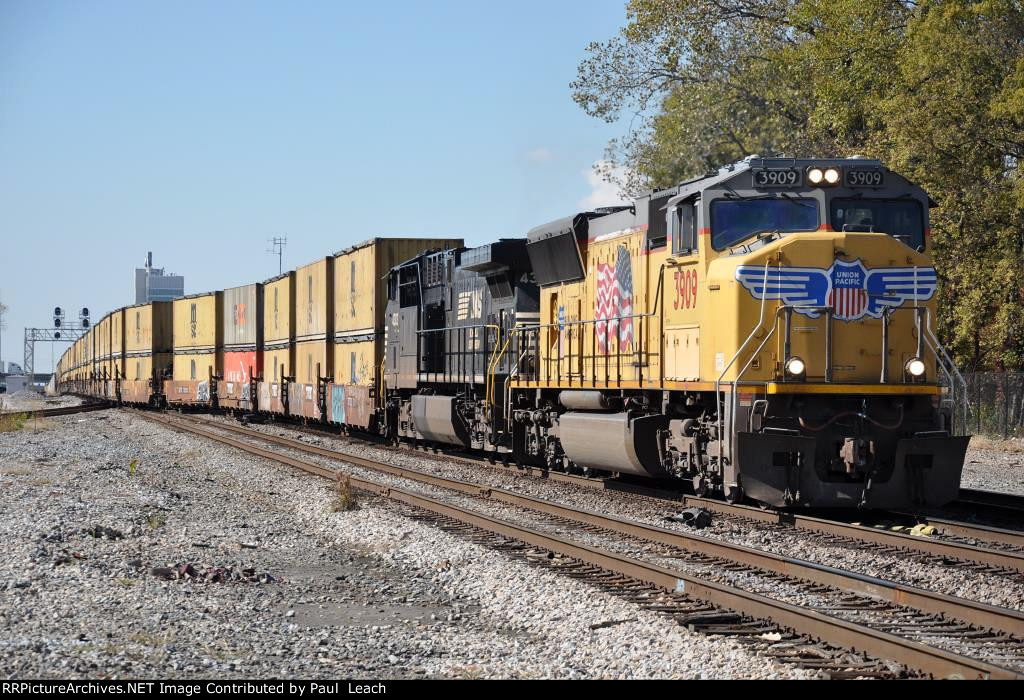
(991, 504)
(61, 411)
(690, 577)
(956, 542)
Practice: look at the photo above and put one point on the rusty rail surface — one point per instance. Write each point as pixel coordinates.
(62, 411)
(843, 633)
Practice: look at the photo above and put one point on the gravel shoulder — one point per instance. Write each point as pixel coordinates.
(284, 586)
(994, 465)
(900, 567)
(33, 401)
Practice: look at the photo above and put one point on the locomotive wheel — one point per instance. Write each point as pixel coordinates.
(734, 494)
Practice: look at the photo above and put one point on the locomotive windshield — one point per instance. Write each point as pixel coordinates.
(900, 218)
(734, 220)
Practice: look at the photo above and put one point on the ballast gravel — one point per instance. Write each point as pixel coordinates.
(901, 567)
(104, 515)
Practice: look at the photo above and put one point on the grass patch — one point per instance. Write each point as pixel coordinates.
(13, 422)
(127, 582)
(344, 495)
(156, 520)
(982, 442)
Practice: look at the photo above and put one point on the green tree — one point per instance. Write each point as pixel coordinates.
(933, 88)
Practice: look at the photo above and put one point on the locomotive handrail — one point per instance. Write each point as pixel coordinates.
(951, 366)
(447, 329)
(611, 320)
(718, 382)
(934, 346)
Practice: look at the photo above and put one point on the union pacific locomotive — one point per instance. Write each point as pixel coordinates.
(762, 332)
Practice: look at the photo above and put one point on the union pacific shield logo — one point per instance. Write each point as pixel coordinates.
(851, 289)
(848, 296)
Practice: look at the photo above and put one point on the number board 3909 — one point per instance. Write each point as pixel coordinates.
(777, 177)
(864, 177)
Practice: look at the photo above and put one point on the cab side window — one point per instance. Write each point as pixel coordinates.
(683, 224)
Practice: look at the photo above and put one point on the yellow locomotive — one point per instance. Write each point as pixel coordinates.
(767, 330)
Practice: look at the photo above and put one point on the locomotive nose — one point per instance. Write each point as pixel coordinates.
(848, 305)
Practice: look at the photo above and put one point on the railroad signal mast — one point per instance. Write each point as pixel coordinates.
(61, 332)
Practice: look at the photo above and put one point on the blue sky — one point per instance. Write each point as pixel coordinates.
(199, 129)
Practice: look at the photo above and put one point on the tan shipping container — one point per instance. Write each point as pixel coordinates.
(313, 308)
(278, 340)
(148, 338)
(197, 346)
(117, 343)
(360, 299)
(313, 300)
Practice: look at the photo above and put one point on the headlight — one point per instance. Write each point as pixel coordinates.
(795, 367)
(815, 175)
(832, 176)
(915, 367)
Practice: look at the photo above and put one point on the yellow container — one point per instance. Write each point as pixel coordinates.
(313, 300)
(197, 347)
(197, 325)
(360, 299)
(148, 339)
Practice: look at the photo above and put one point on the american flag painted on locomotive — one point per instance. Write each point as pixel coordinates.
(613, 304)
(850, 288)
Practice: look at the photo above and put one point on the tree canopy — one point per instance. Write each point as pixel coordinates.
(935, 89)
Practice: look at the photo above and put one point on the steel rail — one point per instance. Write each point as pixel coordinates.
(1013, 561)
(975, 554)
(991, 499)
(842, 633)
(62, 411)
(971, 612)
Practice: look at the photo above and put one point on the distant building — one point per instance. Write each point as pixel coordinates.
(153, 284)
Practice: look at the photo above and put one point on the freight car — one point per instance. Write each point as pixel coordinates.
(278, 329)
(241, 358)
(765, 330)
(197, 341)
(148, 352)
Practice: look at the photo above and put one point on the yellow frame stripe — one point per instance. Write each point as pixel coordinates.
(772, 387)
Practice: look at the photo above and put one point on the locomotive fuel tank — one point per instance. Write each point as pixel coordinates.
(614, 442)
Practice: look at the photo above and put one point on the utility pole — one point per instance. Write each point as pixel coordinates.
(277, 245)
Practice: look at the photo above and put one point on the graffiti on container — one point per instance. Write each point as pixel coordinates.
(338, 404)
(203, 391)
(309, 392)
